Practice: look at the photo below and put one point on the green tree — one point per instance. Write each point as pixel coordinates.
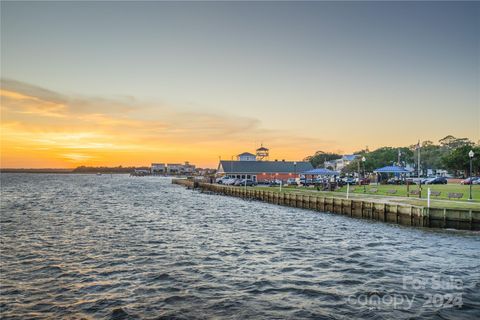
(458, 160)
(430, 155)
(319, 158)
(450, 142)
(379, 158)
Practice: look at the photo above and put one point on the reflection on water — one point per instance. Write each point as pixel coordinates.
(86, 246)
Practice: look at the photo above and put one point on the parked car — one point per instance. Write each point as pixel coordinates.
(221, 180)
(292, 182)
(349, 180)
(470, 180)
(427, 180)
(437, 180)
(242, 182)
(230, 182)
(274, 182)
(394, 180)
(306, 182)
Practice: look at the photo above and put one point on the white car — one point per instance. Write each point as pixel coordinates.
(292, 182)
(229, 182)
(427, 180)
(222, 180)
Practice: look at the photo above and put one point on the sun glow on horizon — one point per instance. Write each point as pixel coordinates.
(61, 131)
(45, 129)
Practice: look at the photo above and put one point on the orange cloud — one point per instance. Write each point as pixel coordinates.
(42, 128)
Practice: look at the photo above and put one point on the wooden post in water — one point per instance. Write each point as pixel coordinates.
(445, 218)
(470, 217)
(411, 216)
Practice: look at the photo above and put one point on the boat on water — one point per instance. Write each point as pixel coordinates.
(99, 174)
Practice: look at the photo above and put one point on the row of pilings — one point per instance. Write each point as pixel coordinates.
(402, 214)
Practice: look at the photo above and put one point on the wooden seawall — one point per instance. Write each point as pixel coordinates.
(402, 214)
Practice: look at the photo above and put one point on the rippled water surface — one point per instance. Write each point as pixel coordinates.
(86, 246)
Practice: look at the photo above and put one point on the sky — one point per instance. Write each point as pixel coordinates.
(131, 83)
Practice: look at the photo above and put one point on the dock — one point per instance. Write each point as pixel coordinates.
(402, 214)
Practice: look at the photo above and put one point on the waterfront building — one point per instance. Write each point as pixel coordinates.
(178, 168)
(263, 170)
(173, 168)
(188, 168)
(339, 164)
(158, 168)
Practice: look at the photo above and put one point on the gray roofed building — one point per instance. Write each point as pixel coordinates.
(258, 167)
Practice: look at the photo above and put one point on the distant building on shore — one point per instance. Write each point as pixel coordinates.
(158, 169)
(188, 168)
(172, 168)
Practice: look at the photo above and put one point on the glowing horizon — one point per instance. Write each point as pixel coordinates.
(173, 82)
(56, 128)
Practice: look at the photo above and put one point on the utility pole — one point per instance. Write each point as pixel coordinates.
(470, 155)
(295, 173)
(358, 170)
(364, 182)
(418, 165)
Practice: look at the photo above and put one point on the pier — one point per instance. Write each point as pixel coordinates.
(402, 214)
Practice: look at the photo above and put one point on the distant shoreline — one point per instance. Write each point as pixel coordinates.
(72, 171)
(59, 171)
(36, 170)
(81, 169)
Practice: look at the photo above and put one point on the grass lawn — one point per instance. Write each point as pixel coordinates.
(401, 190)
(401, 195)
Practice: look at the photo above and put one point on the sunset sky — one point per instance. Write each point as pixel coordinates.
(124, 83)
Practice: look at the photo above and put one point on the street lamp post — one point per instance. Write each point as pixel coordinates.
(364, 186)
(295, 172)
(470, 155)
(358, 171)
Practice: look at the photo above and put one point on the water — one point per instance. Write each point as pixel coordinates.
(86, 246)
